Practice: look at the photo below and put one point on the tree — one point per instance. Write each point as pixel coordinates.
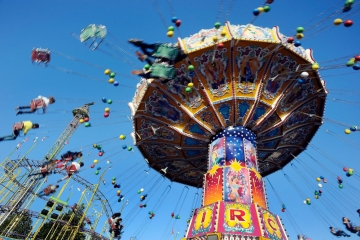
(58, 226)
(22, 228)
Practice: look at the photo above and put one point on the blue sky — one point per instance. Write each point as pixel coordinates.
(28, 24)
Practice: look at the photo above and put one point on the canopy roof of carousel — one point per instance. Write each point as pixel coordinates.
(252, 81)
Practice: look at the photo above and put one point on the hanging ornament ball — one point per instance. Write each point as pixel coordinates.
(178, 23)
(324, 180)
(113, 178)
(122, 137)
(112, 74)
(320, 191)
(220, 45)
(308, 200)
(256, 12)
(261, 9)
(304, 202)
(347, 131)
(345, 169)
(356, 67)
(81, 120)
(320, 185)
(346, 8)
(96, 161)
(338, 21)
(98, 168)
(170, 34)
(321, 177)
(223, 32)
(171, 28)
(317, 196)
(116, 83)
(353, 128)
(290, 39)
(147, 66)
(304, 74)
(96, 172)
(86, 119)
(104, 100)
(269, 1)
(349, 2)
(266, 8)
(142, 189)
(94, 145)
(357, 58)
(351, 171)
(191, 68)
(174, 19)
(188, 89)
(107, 72)
(315, 66)
(341, 186)
(190, 85)
(299, 35)
(348, 23)
(92, 165)
(215, 38)
(297, 43)
(87, 124)
(111, 80)
(107, 109)
(124, 147)
(109, 101)
(217, 25)
(300, 30)
(119, 191)
(129, 148)
(347, 174)
(350, 63)
(318, 179)
(98, 147)
(100, 154)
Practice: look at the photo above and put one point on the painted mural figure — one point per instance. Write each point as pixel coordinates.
(217, 157)
(217, 152)
(215, 73)
(248, 67)
(160, 107)
(238, 188)
(273, 85)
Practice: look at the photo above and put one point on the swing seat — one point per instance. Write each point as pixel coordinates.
(167, 51)
(96, 32)
(40, 55)
(162, 71)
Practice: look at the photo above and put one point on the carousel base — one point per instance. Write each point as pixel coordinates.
(234, 221)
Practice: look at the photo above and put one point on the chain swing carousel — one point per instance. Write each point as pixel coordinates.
(240, 107)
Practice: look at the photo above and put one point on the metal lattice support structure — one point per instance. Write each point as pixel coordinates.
(93, 188)
(33, 214)
(21, 187)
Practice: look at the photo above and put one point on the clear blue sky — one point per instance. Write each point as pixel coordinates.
(49, 24)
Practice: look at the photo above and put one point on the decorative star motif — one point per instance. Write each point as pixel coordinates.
(235, 165)
(213, 170)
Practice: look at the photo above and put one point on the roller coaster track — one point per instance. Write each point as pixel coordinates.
(98, 194)
(33, 214)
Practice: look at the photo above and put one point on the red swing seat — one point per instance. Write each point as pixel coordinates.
(40, 55)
